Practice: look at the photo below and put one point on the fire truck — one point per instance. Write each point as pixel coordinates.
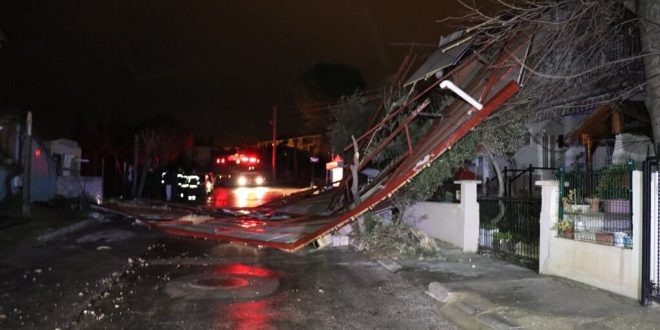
(239, 169)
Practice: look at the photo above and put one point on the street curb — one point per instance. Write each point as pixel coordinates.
(389, 265)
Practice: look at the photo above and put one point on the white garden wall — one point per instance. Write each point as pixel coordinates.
(607, 267)
(455, 223)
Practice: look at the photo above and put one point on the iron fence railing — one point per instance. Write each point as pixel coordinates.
(650, 231)
(595, 206)
(518, 183)
(510, 227)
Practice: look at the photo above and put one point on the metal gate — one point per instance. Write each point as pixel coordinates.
(651, 233)
(510, 228)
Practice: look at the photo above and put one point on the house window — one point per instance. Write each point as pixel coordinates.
(57, 158)
(528, 138)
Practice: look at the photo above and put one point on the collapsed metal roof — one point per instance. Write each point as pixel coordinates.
(490, 75)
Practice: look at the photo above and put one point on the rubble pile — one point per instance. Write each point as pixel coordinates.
(398, 238)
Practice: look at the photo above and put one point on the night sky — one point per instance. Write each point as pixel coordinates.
(219, 66)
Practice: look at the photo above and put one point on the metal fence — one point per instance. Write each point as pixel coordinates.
(651, 231)
(510, 228)
(595, 206)
(518, 183)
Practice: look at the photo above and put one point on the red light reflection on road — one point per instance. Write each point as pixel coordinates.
(222, 198)
(256, 314)
(231, 282)
(252, 225)
(244, 197)
(242, 269)
(249, 197)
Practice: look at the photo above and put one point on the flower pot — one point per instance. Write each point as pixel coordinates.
(594, 204)
(502, 245)
(567, 233)
(605, 238)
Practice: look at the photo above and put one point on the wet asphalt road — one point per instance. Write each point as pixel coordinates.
(115, 275)
(196, 284)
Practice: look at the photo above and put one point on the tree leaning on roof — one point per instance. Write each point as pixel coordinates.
(649, 23)
(578, 49)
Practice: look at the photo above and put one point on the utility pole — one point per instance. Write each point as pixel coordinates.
(27, 163)
(274, 153)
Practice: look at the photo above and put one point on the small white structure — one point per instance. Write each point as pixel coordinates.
(67, 157)
(66, 154)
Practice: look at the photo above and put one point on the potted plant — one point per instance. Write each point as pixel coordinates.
(449, 196)
(571, 205)
(614, 188)
(502, 241)
(564, 228)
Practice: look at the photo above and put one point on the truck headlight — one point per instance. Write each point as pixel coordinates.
(259, 180)
(241, 180)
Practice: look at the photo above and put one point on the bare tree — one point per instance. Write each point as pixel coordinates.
(161, 141)
(578, 49)
(649, 18)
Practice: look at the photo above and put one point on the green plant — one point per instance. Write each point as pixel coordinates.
(570, 198)
(371, 221)
(488, 225)
(427, 181)
(563, 225)
(614, 182)
(503, 235)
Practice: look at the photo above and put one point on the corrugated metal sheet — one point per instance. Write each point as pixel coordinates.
(442, 58)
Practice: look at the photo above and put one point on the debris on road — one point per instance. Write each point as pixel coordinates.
(438, 292)
(399, 238)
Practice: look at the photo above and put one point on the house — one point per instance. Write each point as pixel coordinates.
(66, 155)
(42, 170)
(580, 107)
(566, 122)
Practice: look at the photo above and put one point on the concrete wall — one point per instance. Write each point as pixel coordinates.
(74, 186)
(457, 224)
(43, 179)
(607, 267)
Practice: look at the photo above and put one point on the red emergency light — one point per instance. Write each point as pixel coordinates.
(240, 158)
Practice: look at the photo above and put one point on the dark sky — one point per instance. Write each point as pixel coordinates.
(219, 66)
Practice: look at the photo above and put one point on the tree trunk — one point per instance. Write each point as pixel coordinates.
(354, 182)
(500, 184)
(354, 172)
(498, 171)
(648, 12)
(143, 175)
